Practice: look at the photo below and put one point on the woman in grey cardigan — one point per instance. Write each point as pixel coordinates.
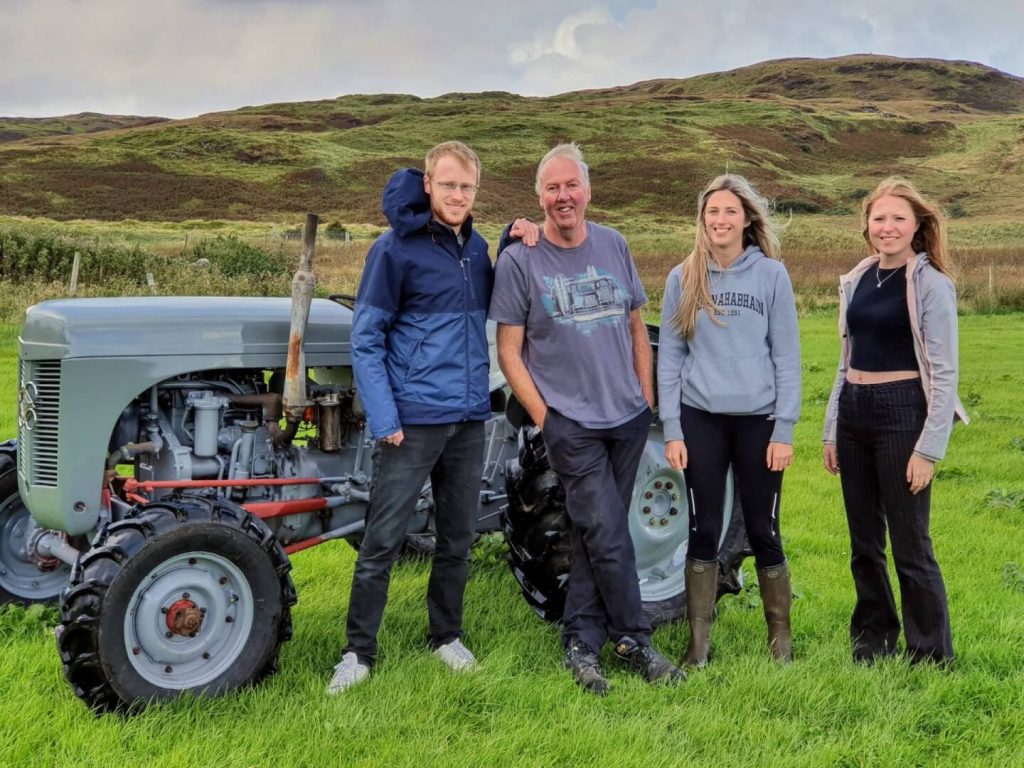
(729, 393)
(889, 418)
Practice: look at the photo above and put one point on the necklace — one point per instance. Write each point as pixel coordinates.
(878, 277)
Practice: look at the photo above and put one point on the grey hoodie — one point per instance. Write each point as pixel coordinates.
(749, 365)
(931, 299)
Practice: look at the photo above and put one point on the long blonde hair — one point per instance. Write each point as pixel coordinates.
(696, 277)
(931, 221)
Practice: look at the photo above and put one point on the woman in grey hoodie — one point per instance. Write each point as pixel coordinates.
(729, 393)
(890, 416)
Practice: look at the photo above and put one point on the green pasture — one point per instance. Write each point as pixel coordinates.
(523, 709)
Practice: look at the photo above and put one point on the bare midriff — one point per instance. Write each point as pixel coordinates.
(879, 377)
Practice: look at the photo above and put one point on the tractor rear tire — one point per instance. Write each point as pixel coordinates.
(537, 530)
(22, 580)
(187, 594)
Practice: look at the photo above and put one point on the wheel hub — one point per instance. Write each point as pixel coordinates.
(185, 618)
(188, 620)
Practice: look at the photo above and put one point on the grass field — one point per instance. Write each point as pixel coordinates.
(522, 709)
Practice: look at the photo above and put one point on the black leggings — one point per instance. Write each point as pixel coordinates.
(713, 442)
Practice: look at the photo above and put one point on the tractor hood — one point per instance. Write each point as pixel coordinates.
(158, 326)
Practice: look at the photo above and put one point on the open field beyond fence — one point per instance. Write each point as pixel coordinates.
(249, 258)
(523, 709)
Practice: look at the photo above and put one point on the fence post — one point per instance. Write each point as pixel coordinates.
(991, 284)
(75, 265)
(151, 283)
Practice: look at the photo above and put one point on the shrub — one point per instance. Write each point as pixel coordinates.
(234, 257)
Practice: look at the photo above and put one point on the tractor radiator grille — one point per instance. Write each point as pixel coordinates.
(38, 417)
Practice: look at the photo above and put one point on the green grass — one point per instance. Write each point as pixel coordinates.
(524, 710)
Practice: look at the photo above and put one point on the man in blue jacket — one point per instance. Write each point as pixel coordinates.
(419, 351)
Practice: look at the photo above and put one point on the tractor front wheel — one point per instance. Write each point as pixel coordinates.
(187, 594)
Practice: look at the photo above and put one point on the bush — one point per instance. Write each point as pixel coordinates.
(234, 257)
(46, 257)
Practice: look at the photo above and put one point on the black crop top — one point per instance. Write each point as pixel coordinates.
(878, 322)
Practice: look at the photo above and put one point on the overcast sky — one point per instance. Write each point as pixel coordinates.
(179, 58)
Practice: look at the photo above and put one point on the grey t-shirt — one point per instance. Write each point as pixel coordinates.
(575, 305)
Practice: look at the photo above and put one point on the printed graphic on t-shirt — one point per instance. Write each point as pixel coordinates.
(591, 298)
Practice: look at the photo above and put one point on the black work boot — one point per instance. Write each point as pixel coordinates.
(647, 662)
(582, 661)
(701, 590)
(777, 596)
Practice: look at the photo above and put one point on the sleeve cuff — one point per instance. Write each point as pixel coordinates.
(673, 429)
(783, 432)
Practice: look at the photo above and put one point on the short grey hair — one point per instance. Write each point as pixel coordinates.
(571, 150)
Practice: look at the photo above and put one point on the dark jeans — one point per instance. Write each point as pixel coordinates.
(877, 429)
(452, 456)
(598, 469)
(713, 442)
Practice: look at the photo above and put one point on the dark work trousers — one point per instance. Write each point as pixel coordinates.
(598, 469)
(713, 442)
(877, 429)
(452, 456)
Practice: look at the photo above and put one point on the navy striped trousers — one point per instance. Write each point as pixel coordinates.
(877, 429)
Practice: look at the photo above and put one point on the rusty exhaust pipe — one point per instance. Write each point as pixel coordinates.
(295, 398)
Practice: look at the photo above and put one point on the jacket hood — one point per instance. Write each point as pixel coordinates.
(750, 256)
(405, 203)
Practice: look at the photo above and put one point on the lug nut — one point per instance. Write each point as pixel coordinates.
(206, 654)
(168, 669)
(136, 650)
(191, 561)
(229, 619)
(668, 485)
(648, 494)
(168, 633)
(657, 484)
(185, 596)
(664, 521)
(647, 510)
(165, 609)
(673, 511)
(222, 580)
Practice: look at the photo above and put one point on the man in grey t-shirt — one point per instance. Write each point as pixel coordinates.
(573, 346)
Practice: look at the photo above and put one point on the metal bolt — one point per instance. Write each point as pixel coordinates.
(168, 669)
(668, 485)
(191, 561)
(165, 609)
(233, 598)
(675, 497)
(647, 510)
(206, 654)
(664, 521)
(136, 650)
(648, 494)
(168, 633)
(222, 580)
(653, 521)
(202, 611)
(673, 511)
(657, 484)
(185, 596)
(229, 619)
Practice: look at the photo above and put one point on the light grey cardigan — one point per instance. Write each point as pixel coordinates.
(931, 299)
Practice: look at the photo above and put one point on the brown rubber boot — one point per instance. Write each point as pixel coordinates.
(777, 596)
(701, 590)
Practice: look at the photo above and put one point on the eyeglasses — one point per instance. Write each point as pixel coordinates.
(450, 186)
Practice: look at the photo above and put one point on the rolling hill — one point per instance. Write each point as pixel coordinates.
(815, 134)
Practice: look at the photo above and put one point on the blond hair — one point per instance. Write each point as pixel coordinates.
(696, 278)
(930, 236)
(455, 149)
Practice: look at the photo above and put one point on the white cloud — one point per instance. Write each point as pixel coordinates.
(180, 58)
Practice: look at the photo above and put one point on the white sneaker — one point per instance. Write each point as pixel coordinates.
(349, 672)
(457, 657)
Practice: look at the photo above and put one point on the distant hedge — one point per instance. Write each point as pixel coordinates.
(47, 257)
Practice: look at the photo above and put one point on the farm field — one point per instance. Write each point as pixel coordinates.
(523, 709)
